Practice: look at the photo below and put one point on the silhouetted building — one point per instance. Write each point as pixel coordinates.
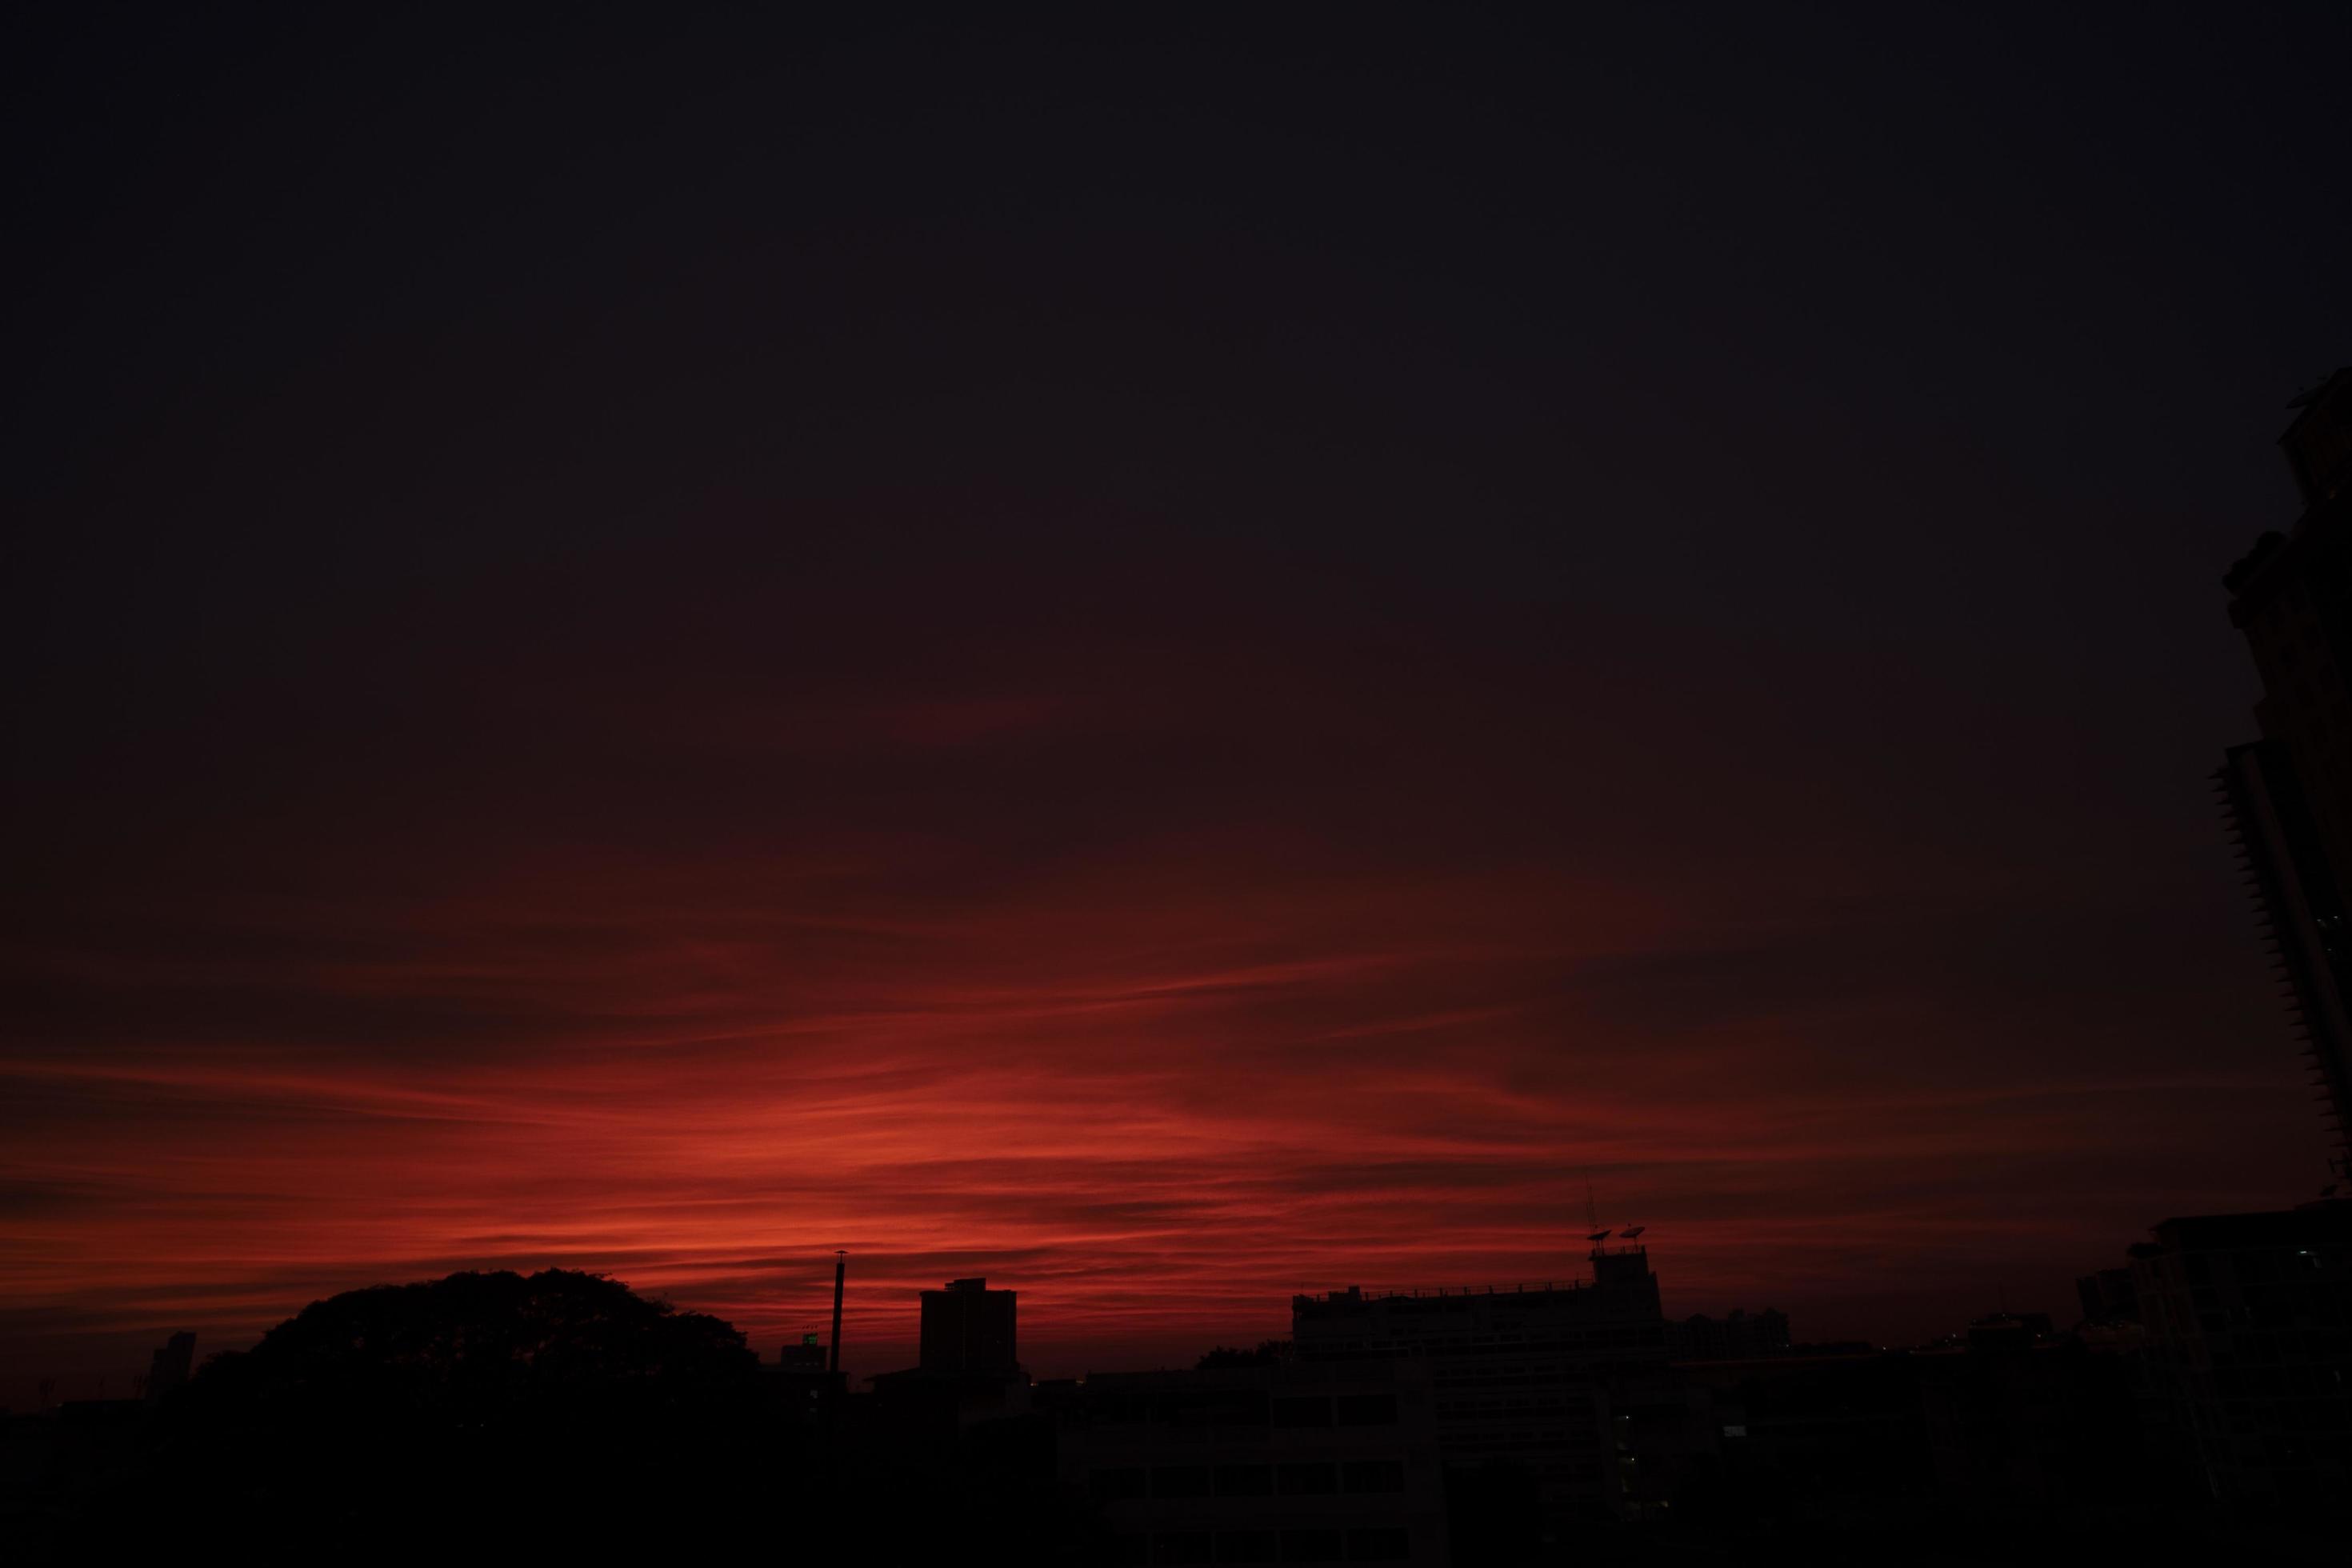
(968, 1329)
(1810, 1439)
(1273, 1463)
(2017, 1414)
(1568, 1380)
(2289, 797)
(1740, 1336)
(173, 1360)
(2108, 1297)
(2246, 1362)
(968, 1367)
(804, 1389)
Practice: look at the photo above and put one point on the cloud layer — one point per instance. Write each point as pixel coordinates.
(1157, 981)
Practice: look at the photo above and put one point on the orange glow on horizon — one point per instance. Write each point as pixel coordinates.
(1155, 1126)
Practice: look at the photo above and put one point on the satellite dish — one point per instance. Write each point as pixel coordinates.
(1597, 1236)
(1633, 1230)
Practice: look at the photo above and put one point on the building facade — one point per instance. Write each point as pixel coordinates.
(1570, 1382)
(968, 1330)
(1740, 1335)
(2289, 797)
(2245, 1353)
(1276, 1463)
(968, 1364)
(2018, 1415)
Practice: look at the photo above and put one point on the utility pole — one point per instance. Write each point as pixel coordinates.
(840, 1269)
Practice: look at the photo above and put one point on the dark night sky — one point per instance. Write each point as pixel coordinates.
(1171, 664)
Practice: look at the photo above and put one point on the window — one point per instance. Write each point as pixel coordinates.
(1221, 1407)
(1107, 1486)
(1315, 1411)
(1368, 1409)
(1375, 1475)
(1386, 1544)
(1244, 1480)
(1311, 1479)
(1181, 1481)
(1183, 1546)
(1313, 1546)
(1248, 1546)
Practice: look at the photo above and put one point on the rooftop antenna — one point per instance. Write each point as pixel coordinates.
(1592, 1216)
(840, 1270)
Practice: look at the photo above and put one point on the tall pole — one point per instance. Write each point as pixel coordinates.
(840, 1269)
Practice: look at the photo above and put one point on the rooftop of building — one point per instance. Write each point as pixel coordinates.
(1459, 1295)
(2323, 1219)
(1286, 1374)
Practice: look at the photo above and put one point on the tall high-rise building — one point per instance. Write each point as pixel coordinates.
(2290, 794)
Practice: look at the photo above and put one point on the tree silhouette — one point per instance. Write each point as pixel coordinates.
(560, 1406)
(483, 1345)
(492, 1412)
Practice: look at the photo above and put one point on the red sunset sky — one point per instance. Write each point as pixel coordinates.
(1170, 675)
